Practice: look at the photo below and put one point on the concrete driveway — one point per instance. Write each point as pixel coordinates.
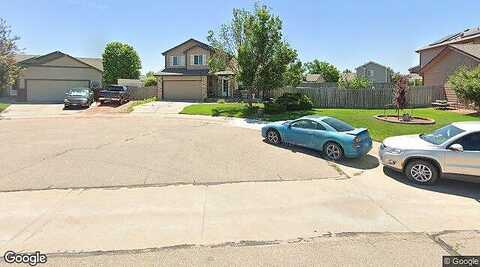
(22, 111)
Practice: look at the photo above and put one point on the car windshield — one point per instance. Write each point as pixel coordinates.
(115, 88)
(338, 125)
(441, 135)
(78, 92)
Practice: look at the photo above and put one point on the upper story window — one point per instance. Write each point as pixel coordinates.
(371, 73)
(177, 60)
(198, 60)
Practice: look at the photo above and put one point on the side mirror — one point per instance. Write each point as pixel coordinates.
(456, 147)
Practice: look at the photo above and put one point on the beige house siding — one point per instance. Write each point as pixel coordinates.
(197, 51)
(178, 51)
(437, 74)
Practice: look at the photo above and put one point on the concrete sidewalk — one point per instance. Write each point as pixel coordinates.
(55, 221)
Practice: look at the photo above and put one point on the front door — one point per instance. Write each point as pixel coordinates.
(466, 161)
(225, 88)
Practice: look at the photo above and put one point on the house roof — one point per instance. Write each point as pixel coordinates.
(198, 43)
(471, 50)
(454, 38)
(181, 72)
(25, 59)
(371, 62)
(415, 69)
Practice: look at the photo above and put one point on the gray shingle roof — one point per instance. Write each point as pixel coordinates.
(454, 38)
(471, 49)
(94, 62)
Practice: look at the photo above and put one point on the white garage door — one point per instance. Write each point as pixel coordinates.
(50, 91)
(182, 90)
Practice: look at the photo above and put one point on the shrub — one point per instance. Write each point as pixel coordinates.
(150, 81)
(221, 101)
(274, 108)
(466, 84)
(355, 83)
(289, 102)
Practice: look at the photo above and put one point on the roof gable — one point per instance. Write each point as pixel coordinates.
(371, 63)
(195, 43)
(469, 50)
(22, 59)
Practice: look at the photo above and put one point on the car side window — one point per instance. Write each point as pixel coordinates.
(305, 124)
(470, 142)
(321, 127)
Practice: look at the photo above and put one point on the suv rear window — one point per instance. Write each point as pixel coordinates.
(114, 88)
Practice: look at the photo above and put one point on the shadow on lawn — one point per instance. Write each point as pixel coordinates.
(366, 162)
(446, 186)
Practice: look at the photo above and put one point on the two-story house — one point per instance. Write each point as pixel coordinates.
(374, 72)
(186, 75)
(442, 58)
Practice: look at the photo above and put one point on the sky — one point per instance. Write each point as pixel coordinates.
(345, 33)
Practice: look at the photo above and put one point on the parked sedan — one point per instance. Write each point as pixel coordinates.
(334, 137)
(81, 97)
(451, 151)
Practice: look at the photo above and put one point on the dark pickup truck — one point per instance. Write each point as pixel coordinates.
(114, 93)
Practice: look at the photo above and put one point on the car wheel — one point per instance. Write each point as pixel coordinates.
(273, 137)
(422, 172)
(333, 151)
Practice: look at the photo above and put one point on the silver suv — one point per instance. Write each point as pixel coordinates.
(453, 149)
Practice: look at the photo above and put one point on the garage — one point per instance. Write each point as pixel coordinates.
(46, 78)
(51, 91)
(182, 89)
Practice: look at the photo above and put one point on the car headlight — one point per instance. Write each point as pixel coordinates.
(392, 150)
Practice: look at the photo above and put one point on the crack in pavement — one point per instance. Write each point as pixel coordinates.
(195, 183)
(255, 243)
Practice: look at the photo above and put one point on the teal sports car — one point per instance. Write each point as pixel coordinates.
(335, 138)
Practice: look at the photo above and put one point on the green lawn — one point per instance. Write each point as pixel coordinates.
(356, 117)
(3, 106)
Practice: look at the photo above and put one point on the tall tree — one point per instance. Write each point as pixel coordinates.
(9, 71)
(328, 71)
(263, 56)
(227, 41)
(252, 46)
(120, 61)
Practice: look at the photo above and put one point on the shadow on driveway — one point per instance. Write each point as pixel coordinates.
(446, 186)
(366, 162)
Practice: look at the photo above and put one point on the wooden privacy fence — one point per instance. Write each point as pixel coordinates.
(140, 93)
(333, 97)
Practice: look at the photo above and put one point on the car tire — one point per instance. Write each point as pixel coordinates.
(422, 172)
(333, 151)
(273, 137)
(66, 107)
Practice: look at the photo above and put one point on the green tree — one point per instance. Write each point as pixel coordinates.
(354, 83)
(150, 81)
(120, 61)
(466, 84)
(294, 74)
(328, 71)
(264, 56)
(9, 70)
(227, 41)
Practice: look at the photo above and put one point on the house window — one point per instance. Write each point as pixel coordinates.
(371, 73)
(175, 60)
(198, 60)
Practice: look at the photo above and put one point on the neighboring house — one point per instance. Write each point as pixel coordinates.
(187, 77)
(375, 72)
(46, 78)
(442, 58)
(314, 78)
